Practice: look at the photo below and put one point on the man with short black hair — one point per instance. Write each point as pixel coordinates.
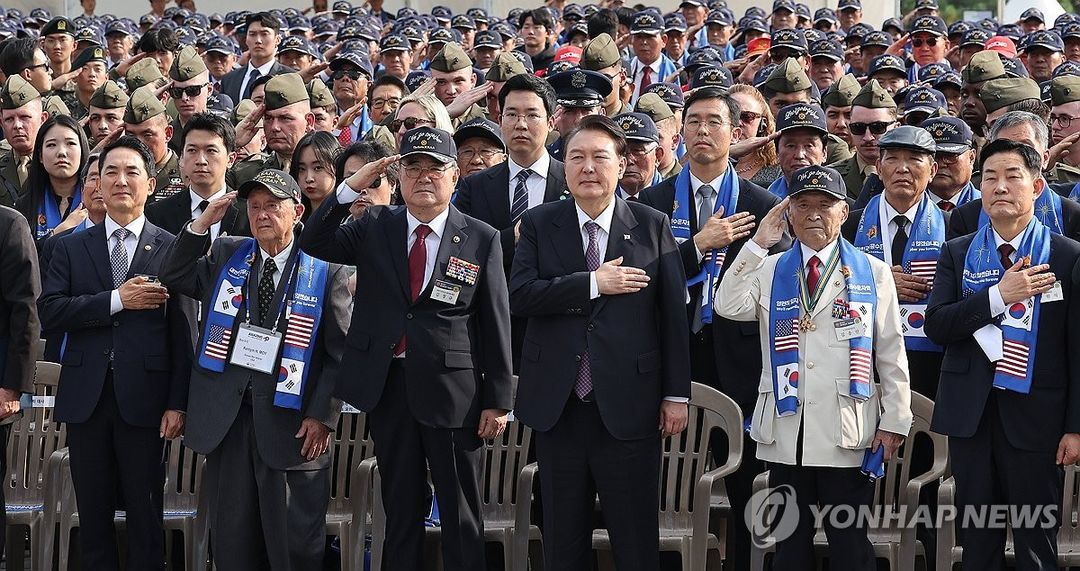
(263, 31)
(538, 31)
(160, 45)
(22, 56)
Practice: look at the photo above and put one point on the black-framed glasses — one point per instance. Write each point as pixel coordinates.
(41, 65)
(191, 91)
(410, 123)
(353, 74)
(877, 127)
(1063, 120)
(467, 155)
(919, 42)
(416, 171)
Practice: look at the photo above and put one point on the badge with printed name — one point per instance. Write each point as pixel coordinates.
(1055, 293)
(256, 348)
(445, 292)
(462, 271)
(848, 328)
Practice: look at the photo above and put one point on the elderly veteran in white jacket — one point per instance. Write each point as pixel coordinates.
(829, 320)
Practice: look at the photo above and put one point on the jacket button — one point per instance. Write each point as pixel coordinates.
(393, 346)
(105, 352)
(809, 364)
(408, 316)
(116, 324)
(591, 326)
(577, 358)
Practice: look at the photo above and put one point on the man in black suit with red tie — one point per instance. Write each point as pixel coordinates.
(428, 352)
(605, 364)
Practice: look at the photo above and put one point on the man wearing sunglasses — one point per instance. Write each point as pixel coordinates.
(351, 72)
(873, 113)
(929, 43)
(191, 91)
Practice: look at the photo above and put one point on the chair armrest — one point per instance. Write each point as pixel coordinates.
(360, 498)
(703, 493)
(51, 500)
(523, 517)
(946, 534)
(909, 505)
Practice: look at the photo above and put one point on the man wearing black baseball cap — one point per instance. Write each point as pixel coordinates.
(1044, 51)
(479, 145)
(642, 144)
(802, 142)
(951, 187)
(423, 271)
(59, 43)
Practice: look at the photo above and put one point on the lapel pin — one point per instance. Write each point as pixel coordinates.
(625, 236)
(147, 247)
(456, 239)
(836, 284)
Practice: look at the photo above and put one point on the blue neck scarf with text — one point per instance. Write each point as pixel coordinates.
(49, 215)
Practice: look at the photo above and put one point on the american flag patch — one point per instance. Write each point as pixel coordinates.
(299, 331)
(787, 335)
(860, 366)
(217, 342)
(1014, 359)
(924, 269)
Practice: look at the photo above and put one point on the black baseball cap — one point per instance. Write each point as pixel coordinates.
(817, 178)
(435, 143)
(278, 183)
(482, 128)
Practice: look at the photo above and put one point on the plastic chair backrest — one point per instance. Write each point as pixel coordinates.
(889, 491)
(350, 444)
(34, 437)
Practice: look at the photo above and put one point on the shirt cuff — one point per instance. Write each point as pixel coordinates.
(756, 249)
(594, 289)
(997, 305)
(345, 193)
(115, 305)
(677, 399)
(697, 252)
(187, 228)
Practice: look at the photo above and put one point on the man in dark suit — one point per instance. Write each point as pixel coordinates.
(20, 286)
(206, 144)
(126, 365)
(725, 354)
(529, 177)
(1012, 418)
(265, 435)
(605, 359)
(263, 31)
(428, 352)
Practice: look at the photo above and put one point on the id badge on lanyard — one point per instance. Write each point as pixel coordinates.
(257, 348)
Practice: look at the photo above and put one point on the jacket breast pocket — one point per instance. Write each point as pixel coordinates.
(857, 419)
(648, 362)
(762, 423)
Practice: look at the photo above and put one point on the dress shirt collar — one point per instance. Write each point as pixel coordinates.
(263, 69)
(603, 220)
(1015, 242)
(654, 66)
(135, 227)
(695, 182)
(437, 224)
(937, 199)
(865, 168)
(822, 254)
(196, 199)
(280, 259)
(891, 212)
(540, 167)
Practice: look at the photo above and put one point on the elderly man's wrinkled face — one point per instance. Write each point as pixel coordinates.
(954, 172)
(816, 218)
(21, 126)
(477, 153)
(272, 218)
(798, 148)
(905, 174)
(641, 161)
(426, 183)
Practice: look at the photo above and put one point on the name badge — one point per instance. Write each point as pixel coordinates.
(1055, 293)
(445, 292)
(256, 348)
(849, 328)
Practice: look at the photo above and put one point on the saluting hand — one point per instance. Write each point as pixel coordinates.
(1019, 283)
(719, 231)
(773, 225)
(908, 287)
(492, 423)
(362, 179)
(137, 293)
(246, 129)
(612, 278)
(213, 213)
(316, 437)
(464, 100)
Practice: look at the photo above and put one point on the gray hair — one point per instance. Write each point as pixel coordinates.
(1014, 118)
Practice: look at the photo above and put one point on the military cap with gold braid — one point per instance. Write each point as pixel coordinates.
(1064, 89)
(143, 106)
(142, 72)
(998, 93)
(984, 66)
(17, 92)
(788, 77)
(319, 94)
(109, 96)
(599, 53)
(283, 90)
(504, 67)
(874, 96)
(450, 58)
(654, 106)
(841, 93)
(187, 65)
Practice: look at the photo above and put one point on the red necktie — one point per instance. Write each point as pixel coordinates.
(945, 205)
(646, 80)
(813, 274)
(417, 268)
(345, 136)
(1006, 250)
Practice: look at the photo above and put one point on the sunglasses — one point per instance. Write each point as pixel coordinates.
(190, 91)
(877, 127)
(410, 123)
(749, 116)
(352, 74)
(919, 42)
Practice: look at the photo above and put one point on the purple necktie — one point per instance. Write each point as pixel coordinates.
(584, 386)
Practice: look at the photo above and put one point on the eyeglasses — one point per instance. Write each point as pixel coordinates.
(40, 65)
(191, 91)
(1063, 120)
(749, 116)
(378, 103)
(640, 151)
(919, 42)
(467, 155)
(376, 183)
(877, 127)
(410, 123)
(416, 171)
(513, 118)
(712, 124)
(352, 74)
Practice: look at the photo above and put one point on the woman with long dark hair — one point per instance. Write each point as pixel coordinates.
(53, 185)
(383, 191)
(312, 167)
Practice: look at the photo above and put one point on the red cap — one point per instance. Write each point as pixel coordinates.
(1002, 45)
(568, 53)
(757, 46)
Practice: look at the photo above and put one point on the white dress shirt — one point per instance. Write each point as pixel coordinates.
(431, 242)
(263, 70)
(536, 184)
(215, 228)
(639, 75)
(889, 213)
(131, 243)
(937, 199)
(280, 260)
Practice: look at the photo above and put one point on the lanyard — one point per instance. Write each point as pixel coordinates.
(289, 274)
(810, 299)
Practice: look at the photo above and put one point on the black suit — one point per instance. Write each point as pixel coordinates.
(121, 372)
(425, 406)
(174, 212)
(1002, 444)
(638, 350)
(254, 469)
(20, 286)
(486, 196)
(965, 219)
(231, 82)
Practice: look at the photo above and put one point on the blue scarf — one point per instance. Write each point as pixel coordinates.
(1075, 192)
(967, 195)
(49, 215)
(788, 296)
(1020, 322)
(728, 197)
(303, 313)
(920, 259)
(779, 187)
(1047, 210)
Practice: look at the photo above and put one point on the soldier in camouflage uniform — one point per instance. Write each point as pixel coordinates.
(145, 118)
(19, 98)
(286, 99)
(91, 65)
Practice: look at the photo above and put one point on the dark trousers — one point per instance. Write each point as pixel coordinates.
(405, 449)
(579, 459)
(849, 548)
(5, 431)
(990, 471)
(262, 518)
(109, 455)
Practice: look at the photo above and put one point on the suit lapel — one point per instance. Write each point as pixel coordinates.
(451, 243)
(397, 229)
(555, 180)
(620, 241)
(499, 178)
(835, 285)
(149, 245)
(98, 251)
(567, 239)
